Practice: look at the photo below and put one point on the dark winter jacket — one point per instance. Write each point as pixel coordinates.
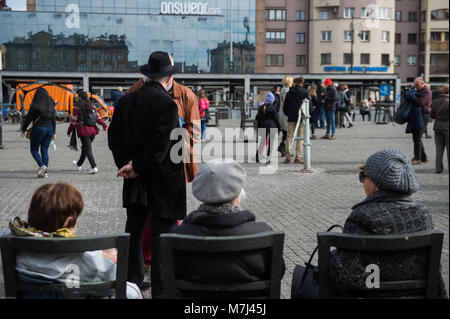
(382, 213)
(331, 99)
(76, 123)
(342, 101)
(415, 118)
(222, 220)
(140, 132)
(269, 118)
(439, 111)
(34, 113)
(321, 92)
(293, 102)
(115, 97)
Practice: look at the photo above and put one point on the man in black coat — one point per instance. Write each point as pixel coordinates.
(139, 138)
(292, 103)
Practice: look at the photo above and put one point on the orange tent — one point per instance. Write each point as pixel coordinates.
(62, 94)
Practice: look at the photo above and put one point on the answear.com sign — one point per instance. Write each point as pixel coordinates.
(188, 8)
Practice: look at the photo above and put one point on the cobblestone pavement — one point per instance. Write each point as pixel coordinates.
(297, 203)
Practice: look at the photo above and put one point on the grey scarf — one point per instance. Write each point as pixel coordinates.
(227, 208)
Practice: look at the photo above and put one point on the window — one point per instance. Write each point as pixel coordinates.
(274, 60)
(412, 16)
(385, 36)
(121, 68)
(347, 35)
(325, 58)
(347, 58)
(301, 60)
(323, 15)
(95, 56)
(412, 38)
(81, 68)
(349, 13)
(326, 35)
(82, 56)
(398, 16)
(397, 60)
(433, 59)
(411, 60)
(398, 38)
(300, 38)
(384, 13)
(120, 57)
(366, 13)
(300, 15)
(441, 14)
(276, 14)
(107, 56)
(36, 54)
(435, 36)
(365, 58)
(22, 53)
(276, 36)
(365, 35)
(385, 60)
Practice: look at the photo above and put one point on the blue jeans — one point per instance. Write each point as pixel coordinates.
(331, 124)
(322, 117)
(41, 136)
(203, 127)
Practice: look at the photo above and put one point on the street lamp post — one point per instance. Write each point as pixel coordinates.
(352, 35)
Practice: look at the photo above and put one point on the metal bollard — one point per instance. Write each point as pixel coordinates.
(1, 125)
(306, 136)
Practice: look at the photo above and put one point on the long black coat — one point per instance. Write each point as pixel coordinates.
(140, 132)
(240, 267)
(269, 118)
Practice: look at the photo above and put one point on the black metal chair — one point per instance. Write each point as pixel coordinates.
(268, 288)
(14, 287)
(431, 240)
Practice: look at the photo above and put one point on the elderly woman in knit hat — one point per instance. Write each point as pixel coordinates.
(389, 180)
(268, 125)
(219, 185)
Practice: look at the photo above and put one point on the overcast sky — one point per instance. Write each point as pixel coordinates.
(20, 5)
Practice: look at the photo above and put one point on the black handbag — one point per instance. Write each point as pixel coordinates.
(402, 115)
(305, 280)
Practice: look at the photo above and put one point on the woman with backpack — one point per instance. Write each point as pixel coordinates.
(42, 114)
(84, 122)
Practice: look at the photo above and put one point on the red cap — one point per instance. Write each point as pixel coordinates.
(328, 81)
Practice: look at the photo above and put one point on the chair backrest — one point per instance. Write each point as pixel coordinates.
(272, 241)
(430, 240)
(11, 245)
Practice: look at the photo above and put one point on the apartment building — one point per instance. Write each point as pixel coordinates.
(405, 37)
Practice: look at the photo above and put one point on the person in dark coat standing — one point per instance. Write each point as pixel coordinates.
(423, 101)
(139, 138)
(330, 101)
(439, 112)
(116, 95)
(268, 125)
(292, 104)
(219, 186)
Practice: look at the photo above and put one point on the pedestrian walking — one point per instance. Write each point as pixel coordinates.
(292, 104)
(287, 83)
(203, 109)
(365, 110)
(84, 123)
(348, 105)
(440, 114)
(140, 140)
(331, 98)
(268, 125)
(42, 114)
(341, 106)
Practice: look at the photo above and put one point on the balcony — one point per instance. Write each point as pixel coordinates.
(439, 46)
(439, 70)
(326, 3)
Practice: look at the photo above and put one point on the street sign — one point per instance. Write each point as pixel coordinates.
(385, 90)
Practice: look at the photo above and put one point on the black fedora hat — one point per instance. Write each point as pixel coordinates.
(159, 65)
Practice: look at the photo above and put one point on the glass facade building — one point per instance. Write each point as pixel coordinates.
(118, 35)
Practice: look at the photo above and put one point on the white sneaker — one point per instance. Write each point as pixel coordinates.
(45, 175)
(76, 166)
(93, 170)
(42, 171)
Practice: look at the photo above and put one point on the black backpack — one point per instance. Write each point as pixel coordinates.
(90, 118)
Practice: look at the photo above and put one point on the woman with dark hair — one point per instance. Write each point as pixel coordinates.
(42, 114)
(84, 120)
